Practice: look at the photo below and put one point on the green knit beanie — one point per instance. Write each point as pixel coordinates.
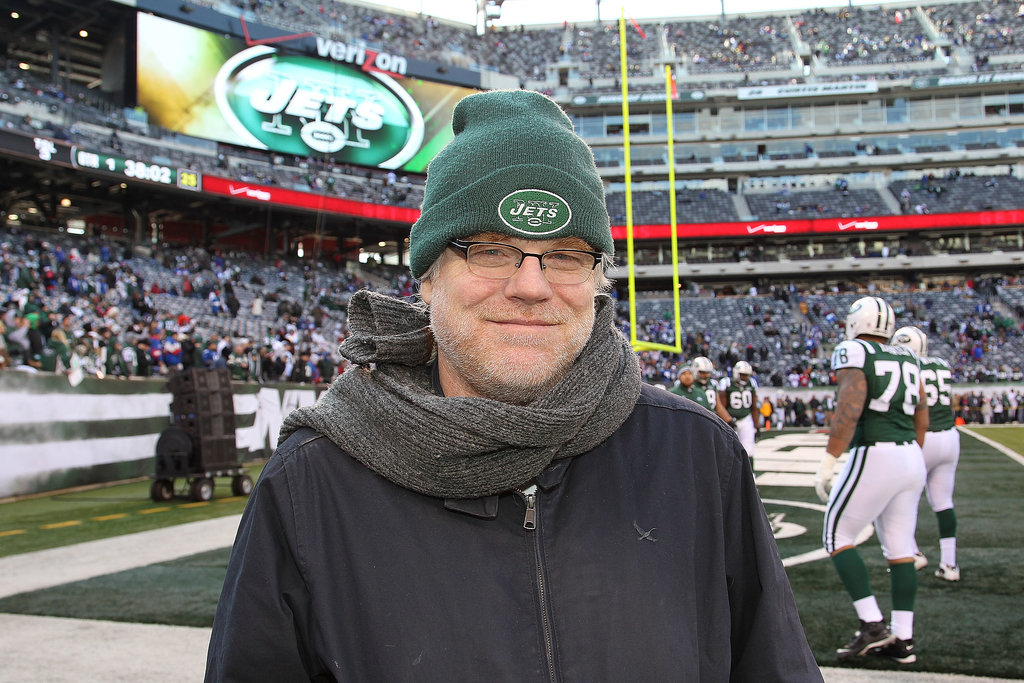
(516, 167)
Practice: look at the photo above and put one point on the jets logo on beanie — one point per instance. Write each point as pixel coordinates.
(514, 167)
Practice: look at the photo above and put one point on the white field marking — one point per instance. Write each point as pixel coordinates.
(1008, 452)
(795, 466)
(55, 566)
(818, 553)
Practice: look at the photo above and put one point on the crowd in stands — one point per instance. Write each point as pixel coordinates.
(102, 309)
(738, 44)
(1005, 406)
(74, 306)
(986, 27)
(871, 35)
(957, 191)
(733, 44)
(787, 334)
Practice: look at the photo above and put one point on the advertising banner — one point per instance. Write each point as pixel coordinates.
(54, 435)
(351, 106)
(806, 90)
(308, 200)
(35, 147)
(783, 226)
(923, 82)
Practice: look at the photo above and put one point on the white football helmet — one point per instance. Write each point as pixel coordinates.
(913, 338)
(703, 366)
(870, 315)
(742, 371)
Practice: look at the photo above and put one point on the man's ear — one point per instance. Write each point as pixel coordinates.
(426, 289)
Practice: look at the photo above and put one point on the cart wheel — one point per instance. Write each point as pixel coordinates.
(241, 485)
(201, 489)
(162, 490)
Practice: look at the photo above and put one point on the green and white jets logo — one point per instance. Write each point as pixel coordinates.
(296, 104)
(534, 212)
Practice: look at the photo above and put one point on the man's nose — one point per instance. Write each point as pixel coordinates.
(529, 282)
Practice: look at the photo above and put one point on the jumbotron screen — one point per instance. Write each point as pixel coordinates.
(260, 95)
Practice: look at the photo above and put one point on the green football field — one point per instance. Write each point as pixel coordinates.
(68, 517)
(975, 627)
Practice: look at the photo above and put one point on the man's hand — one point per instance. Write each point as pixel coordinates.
(823, 479)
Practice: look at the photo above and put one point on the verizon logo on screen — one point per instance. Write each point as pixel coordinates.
(752, 229)
(859, 225)
(250, 192)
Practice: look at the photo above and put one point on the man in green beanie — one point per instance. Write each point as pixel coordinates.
(687, 389)
(491, 492)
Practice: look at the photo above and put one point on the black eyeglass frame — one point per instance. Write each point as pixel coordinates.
(463, 247)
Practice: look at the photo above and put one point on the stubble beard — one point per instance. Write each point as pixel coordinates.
(503, 374)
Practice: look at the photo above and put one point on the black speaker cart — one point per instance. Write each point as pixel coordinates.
(199, 446)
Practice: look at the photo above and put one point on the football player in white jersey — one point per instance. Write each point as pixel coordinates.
(941, 448)
(737, 404)
(881, 416)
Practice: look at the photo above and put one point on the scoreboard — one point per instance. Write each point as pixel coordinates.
(183, 178)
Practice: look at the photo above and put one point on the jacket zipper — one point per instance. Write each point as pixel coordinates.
(529, 495)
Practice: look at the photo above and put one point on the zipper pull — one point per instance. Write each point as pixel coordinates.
(530, 496)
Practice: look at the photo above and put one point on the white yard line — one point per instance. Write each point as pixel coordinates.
(58, 650)
(56, 566)
(1010, 453)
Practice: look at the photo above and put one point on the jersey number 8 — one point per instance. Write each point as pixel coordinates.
(895, 371)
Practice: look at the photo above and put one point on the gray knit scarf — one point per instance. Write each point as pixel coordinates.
(389, 418)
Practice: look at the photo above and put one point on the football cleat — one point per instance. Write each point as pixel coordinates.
(920, 561)
(872, 635)
(948, 573)
(901, 651)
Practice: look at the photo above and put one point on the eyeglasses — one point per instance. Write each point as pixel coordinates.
(497, 261)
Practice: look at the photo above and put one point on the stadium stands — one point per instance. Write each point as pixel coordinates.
(784, 337)
(859, 35)
(740, 44)
(692, 206)
(742, 161)
(816, 203)
(852, 35)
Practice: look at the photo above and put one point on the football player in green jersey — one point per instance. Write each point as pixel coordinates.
(882, 417)
(941, 448)
(737, 404)
(704, 368)
(685, 386)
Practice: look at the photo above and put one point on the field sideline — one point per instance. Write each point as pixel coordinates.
(973, 628)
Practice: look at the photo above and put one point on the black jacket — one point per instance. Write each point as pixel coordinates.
(649, 559)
